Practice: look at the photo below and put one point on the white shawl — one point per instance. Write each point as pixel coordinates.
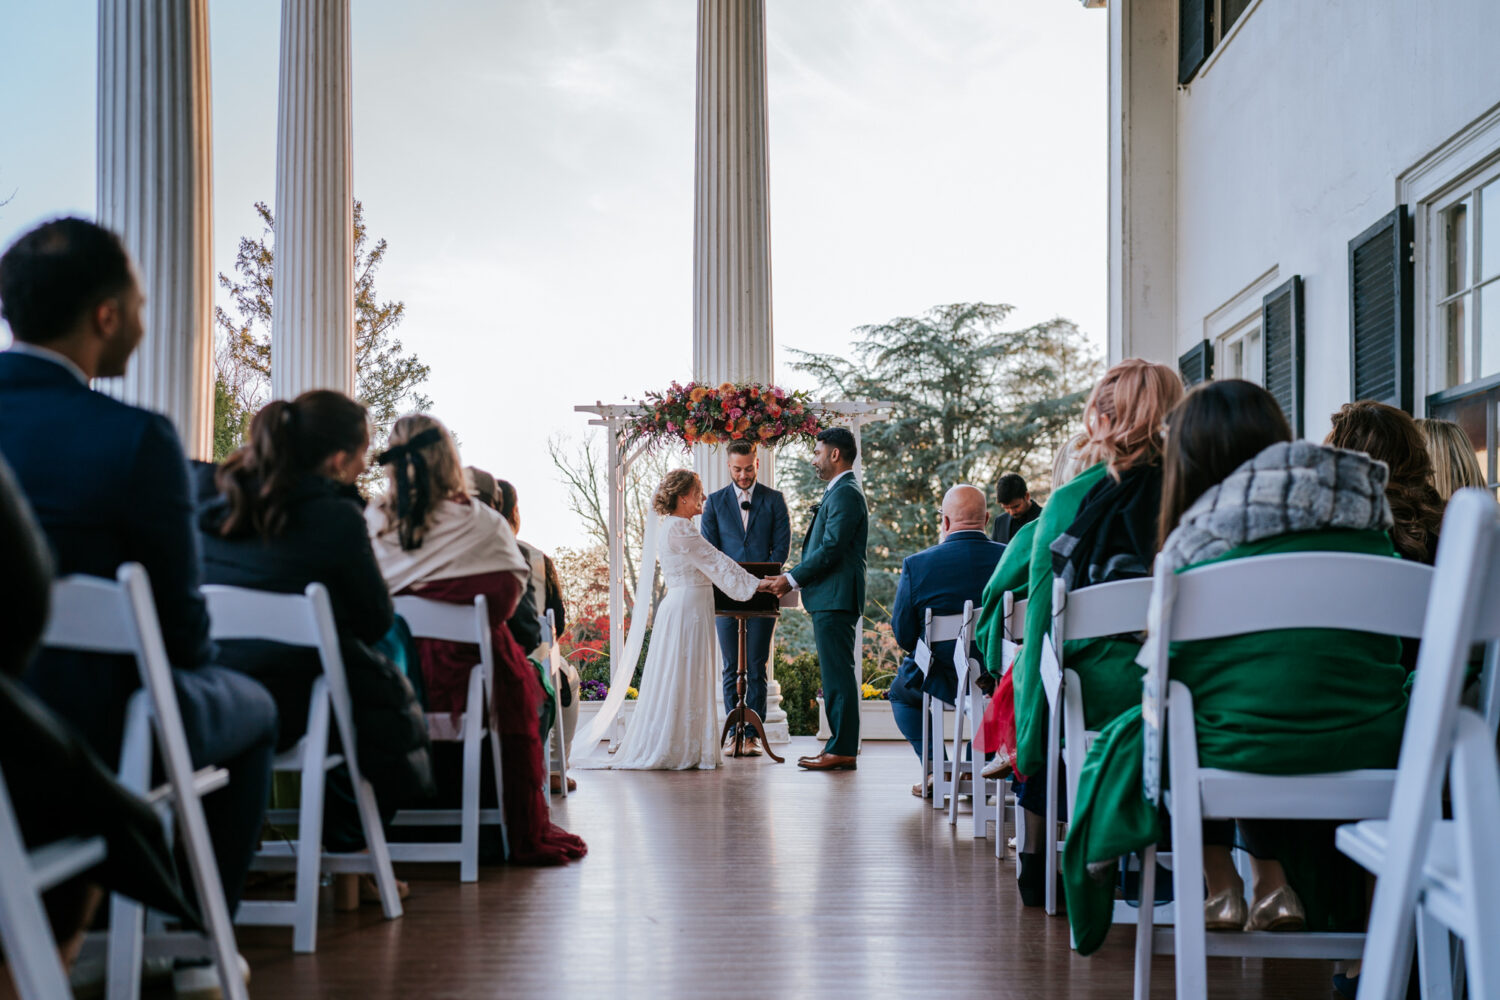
(461, 540)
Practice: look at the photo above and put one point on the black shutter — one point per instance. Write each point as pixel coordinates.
(1380, 311)
(1197, 365)
(1281, 340)
(1195, 36)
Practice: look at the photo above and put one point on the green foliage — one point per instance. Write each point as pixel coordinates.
(800, 683)
(387, 377)
(972, 401)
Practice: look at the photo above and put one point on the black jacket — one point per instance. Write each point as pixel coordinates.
(325, 541)
(1006, 526)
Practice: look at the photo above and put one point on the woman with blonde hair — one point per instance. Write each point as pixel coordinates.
(432, 540)
(1455, 466)
(675, 723)
(1098, 528)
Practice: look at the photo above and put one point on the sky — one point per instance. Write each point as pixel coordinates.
(531, 164)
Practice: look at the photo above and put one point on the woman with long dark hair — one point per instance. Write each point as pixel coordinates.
(288, 514)
(1286, 702)
(435, 541)
(1391, 436)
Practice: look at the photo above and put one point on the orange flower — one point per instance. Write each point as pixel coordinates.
(755, 392)
(709, 437)
(743, 424)
(766, 432)
(726, 387)
(736, 435)
(698, 394)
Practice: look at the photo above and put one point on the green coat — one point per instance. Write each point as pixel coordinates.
(1295, 701)
(1106, 667)
(1011, 574)
(832, 571)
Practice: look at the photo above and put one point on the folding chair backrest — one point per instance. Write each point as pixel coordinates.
(549, 631)
(1100, 610)
(1013, 624)
(1323, 590)
(304, 620)
(965, 665)
(467, 623)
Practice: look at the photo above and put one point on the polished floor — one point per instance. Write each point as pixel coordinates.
(754, 881)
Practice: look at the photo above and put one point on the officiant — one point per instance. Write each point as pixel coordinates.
(747, 521)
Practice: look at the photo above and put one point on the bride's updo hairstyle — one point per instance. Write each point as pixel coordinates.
(422, 470)
(674, 486)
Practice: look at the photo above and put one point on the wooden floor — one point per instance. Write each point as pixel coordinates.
(758, 880)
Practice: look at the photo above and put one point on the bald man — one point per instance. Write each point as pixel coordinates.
(941, 578)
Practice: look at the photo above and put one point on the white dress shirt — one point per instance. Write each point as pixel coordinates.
(744, 498)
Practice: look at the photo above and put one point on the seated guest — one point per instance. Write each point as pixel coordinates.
(1391, 436)
(288, 515)
(433, 541)
(1284, 702)
(1098, 528)
(109, 483)
(1019, 509)
(1454, 463)
(940, 579)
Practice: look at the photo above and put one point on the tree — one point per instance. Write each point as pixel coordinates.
(972, 402)
(386, 376)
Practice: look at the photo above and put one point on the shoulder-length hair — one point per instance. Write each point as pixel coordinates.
(419, 476)
(1391, 436)
(1125, 413)
(1454, 463)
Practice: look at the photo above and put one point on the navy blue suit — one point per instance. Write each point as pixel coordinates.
(941, 578)
(109, 484)
(767, 538)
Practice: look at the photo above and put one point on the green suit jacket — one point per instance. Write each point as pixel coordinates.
(832, 571)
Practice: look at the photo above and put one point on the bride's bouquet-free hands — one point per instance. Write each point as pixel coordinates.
(777, 585)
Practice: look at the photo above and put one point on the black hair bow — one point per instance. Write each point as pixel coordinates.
(413, 487)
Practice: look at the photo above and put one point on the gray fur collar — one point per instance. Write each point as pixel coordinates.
(1289, 487)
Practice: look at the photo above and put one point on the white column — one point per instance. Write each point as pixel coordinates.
(1143, 180)
(155, 189)
(731, 209)
(732, 232)
(312, 322)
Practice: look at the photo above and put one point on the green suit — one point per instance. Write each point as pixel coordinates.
(831, 577)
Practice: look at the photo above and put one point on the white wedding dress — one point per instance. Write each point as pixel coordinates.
(675, 724)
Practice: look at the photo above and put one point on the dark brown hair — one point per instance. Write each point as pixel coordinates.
(288, 441)
(741, 448)
(1392, 436)
(674, 486)
(1217, 427)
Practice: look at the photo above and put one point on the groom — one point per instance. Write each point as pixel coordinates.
(831, 577)
(748, 522)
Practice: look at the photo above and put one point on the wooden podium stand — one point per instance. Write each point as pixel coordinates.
(761, 605)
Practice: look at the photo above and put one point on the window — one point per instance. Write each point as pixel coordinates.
(1227, 12)
(1239, 353)
(1467, 299)
(1476, 413)
(1202, 27)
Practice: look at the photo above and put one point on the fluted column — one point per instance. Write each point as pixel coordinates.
(155, 188)
(312, 321)
(732, 338)
(731, 209)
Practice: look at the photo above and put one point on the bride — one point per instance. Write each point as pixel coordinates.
(675, 721)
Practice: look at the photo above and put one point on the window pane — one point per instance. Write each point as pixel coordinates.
(1236, 366)
(1489, 332)
(1231, 9)
(1457, 341)
(1456, 242)
(1489, 224)
(1253, 359)
(1470, 414)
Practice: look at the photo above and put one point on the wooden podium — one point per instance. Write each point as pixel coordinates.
(761, 605)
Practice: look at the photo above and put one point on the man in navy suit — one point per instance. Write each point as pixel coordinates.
(941, 578)
(109, 484)
(748, 522)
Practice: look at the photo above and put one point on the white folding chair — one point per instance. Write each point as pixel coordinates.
(1444, 874)
(466, 623)
(30, 951)
(306, 620)
(969, 703)
(936, 629)
(99, 616)
(1322, 590)
(559, 749)
(1087, 613)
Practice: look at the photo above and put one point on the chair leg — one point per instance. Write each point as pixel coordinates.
(1049, 838)
(560, 750)
(1187, 848)
(126, 948)
(380, 852)
(976, 764)
(958, 760)
(1434, 957)
(495, 759)
(469, 831)
(1144, 933)
(1475, 782)
(926, 752)
(310, 821)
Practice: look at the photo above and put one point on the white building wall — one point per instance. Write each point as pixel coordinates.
(1290, 140)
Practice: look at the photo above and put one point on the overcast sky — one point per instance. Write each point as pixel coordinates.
(531, 164)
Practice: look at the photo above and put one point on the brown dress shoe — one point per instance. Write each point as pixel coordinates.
(828, 762)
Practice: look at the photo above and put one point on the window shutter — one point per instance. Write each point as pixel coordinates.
(1281, 341)
(1195, 37)
(1380, 311)
(1197, 365)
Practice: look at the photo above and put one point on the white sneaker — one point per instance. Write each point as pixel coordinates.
(201, 982)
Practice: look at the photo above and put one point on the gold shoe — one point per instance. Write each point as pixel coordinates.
(1225, 911)
(1280, 911)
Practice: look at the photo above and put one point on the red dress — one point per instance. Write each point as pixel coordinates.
(534, 839)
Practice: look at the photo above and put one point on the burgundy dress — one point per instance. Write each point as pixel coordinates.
(534, 839)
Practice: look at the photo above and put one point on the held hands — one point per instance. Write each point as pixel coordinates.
(777, 585)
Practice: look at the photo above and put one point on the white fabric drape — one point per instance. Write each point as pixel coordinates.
(586, 741)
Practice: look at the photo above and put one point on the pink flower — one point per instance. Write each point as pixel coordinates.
(735, 412)
(671, 427)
